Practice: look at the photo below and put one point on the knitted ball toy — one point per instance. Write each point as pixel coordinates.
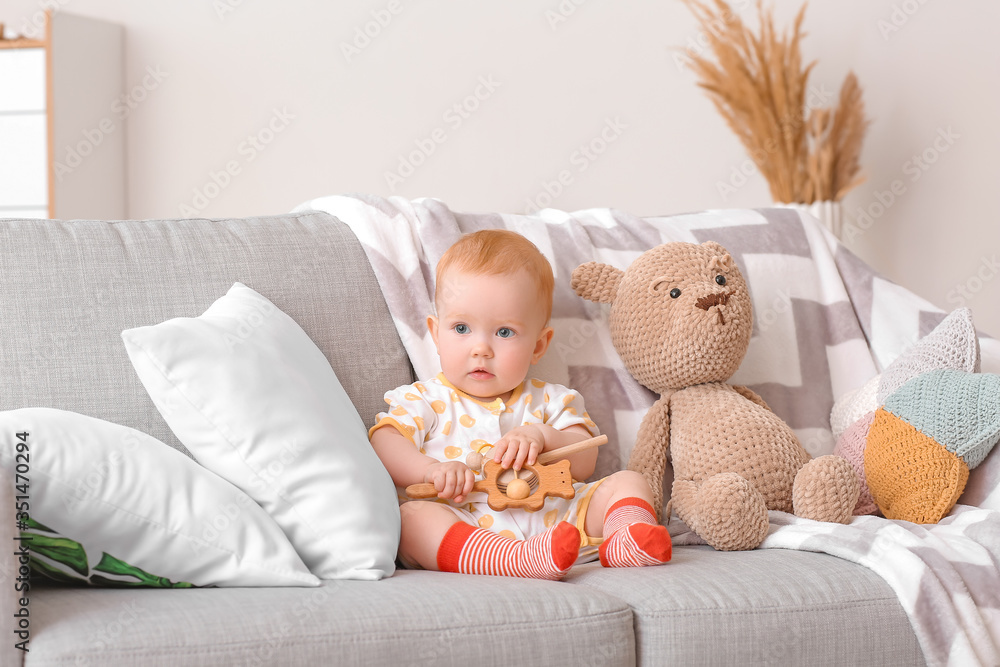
(917, 449)
(925, 439)
(915, 432)
(681, 321)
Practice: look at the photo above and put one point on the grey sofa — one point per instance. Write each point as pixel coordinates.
(70, 288)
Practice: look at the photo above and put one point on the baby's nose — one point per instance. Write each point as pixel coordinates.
(481, 348)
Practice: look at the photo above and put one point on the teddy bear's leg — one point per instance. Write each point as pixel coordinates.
(826, 489)
(649, 456)
(726, 511)
(683, 501)
(653, 474)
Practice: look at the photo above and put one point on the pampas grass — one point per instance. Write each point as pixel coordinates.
(759, 84)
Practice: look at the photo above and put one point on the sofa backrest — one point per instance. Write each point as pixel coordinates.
(71, 287)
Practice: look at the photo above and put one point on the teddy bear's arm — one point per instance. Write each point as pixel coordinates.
(751, 395)
(649, 456)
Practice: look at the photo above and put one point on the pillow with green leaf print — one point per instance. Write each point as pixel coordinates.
(108, 505)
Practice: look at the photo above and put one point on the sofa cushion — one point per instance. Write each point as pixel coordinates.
(110, 505)
(255, 401)
(462, 620)
(769, 606)
(71, 287)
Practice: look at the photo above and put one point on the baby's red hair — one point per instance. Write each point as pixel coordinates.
(498, 252)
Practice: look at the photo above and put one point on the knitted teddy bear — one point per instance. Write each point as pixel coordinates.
(681, 321)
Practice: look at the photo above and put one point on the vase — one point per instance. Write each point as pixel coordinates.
(830, 213)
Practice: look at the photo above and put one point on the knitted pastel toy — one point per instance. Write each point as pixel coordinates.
(924, 423)
(925, 439)
(681, 320)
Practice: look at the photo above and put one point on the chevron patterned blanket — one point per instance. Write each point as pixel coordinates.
(825, 323)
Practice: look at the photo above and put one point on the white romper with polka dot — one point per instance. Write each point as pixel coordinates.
(447, 424)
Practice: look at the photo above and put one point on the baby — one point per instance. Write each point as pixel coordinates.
(493, 300)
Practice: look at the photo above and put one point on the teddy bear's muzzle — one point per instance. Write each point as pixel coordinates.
(715, 299)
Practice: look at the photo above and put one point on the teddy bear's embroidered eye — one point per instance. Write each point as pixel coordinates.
(674, 293)
(720, 279)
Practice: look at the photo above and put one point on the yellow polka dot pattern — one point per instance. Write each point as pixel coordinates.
(448, 425)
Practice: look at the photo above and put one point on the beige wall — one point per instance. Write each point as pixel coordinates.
(534, 81)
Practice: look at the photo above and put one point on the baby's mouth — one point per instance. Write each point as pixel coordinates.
(480, 374)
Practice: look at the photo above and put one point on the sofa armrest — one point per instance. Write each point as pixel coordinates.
(9, 654)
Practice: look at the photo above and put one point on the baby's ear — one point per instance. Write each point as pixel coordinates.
(596, 282)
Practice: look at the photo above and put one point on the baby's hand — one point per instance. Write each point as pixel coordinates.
(451, 479)
(519, 446)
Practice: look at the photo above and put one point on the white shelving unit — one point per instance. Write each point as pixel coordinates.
(62, 147)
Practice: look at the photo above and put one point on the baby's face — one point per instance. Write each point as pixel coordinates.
(489, 330)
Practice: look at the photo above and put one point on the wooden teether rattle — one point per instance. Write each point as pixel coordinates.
(549, 480)
(517, 488)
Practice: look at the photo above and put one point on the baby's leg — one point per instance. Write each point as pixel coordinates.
(424, 525)
(621, 511)
(435, 538)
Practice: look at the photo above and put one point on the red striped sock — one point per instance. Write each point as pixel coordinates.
(632, 537)
(472, 550)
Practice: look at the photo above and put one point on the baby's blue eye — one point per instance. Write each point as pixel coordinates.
(461, 328)
(505, 332)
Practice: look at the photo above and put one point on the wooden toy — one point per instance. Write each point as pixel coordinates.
(535, 483)
(475, 461)
(517, 488)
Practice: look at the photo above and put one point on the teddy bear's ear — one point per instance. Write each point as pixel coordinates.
(725, 259)
(596, 282)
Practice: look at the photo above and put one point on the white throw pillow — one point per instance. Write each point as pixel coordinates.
(251, 396)
(117, 506)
